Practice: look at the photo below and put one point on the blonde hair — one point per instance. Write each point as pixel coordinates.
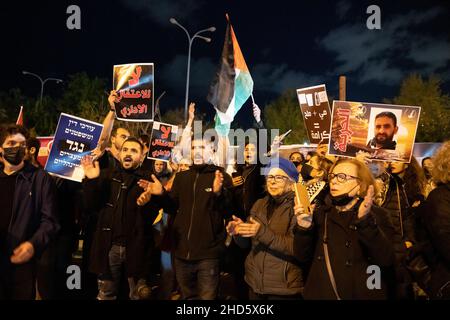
(365, 176)
(441, 164)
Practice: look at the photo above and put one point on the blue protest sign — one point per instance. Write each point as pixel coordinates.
(74, 138)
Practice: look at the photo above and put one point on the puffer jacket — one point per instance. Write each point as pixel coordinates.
(270, 267)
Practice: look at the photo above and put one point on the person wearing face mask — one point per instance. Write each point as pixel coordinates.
(404, 193)
(297, 159)
(314, 175)
(271, 270)
(344, 237)
(28, 218)
(119, 241)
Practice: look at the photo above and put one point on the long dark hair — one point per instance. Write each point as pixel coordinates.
(414, 180)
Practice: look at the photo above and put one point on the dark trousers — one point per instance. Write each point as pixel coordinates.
(17, 282)
(256, 296)
(198, 279)
(109, 284)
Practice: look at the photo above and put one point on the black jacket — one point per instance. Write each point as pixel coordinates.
(353, 245)
(198, 227)
(34, 216)
(101, 196)
(271, 267)
(251, 189)
(435, 216)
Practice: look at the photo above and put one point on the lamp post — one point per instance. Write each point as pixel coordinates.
(190, 40)
(42, 82)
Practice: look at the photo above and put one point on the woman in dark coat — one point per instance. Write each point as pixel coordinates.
(348, 239)
(271, 270)
(435, 216)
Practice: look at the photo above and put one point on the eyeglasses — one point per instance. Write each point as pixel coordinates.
(341, 177)
(277, 179)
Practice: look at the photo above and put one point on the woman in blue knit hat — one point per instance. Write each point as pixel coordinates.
(271, 270)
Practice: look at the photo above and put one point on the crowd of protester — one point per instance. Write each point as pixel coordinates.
(182, 228)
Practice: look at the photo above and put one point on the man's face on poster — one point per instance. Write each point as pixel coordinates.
(385, 129)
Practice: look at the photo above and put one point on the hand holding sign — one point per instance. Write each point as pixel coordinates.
(113, 99)
(304, 219)
(191, 111)
(91, 168)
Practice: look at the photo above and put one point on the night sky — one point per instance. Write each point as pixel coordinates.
(286, 44)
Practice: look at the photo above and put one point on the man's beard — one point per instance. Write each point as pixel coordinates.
(386, 140)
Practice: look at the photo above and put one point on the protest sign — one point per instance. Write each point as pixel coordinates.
(134, 84)
(162, 141)
(316, 112)
(387, 132)
(74, 138)
(44, 150)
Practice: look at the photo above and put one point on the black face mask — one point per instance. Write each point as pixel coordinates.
(296, 163)
(14, 155)
(306, 172)
(343, 199)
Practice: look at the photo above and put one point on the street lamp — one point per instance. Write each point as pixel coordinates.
(42, 82)
(190, 40)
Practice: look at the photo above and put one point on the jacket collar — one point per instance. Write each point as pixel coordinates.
(27, 171)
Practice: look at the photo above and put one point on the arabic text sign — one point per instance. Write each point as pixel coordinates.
(162, 141)
(74, 138)
(134, 84)
(316, 112)
(387, 132)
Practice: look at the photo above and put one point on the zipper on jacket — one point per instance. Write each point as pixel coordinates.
(243, 191)
(192, 216)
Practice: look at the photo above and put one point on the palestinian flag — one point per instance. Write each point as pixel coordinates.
(232, 84)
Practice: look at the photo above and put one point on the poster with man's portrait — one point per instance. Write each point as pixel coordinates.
(385, 131)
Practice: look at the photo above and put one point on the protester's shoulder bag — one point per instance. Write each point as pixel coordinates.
(327, 258)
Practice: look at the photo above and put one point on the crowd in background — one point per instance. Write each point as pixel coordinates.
(194, 228)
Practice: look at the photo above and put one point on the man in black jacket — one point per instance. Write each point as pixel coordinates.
(27, 219)
(119, 238)
(201, 200)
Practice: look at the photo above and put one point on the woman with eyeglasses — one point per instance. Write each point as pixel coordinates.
(347, 241)
(271, 270)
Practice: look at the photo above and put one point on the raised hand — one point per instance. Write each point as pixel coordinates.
(90, 167)
(366, 205)
(113, 99)
(97, 153)
(191, 111)
(256, 112)
(218, 182)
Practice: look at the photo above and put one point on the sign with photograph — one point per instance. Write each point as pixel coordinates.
(385, 131)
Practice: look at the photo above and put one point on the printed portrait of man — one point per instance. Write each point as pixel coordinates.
(385, 129)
